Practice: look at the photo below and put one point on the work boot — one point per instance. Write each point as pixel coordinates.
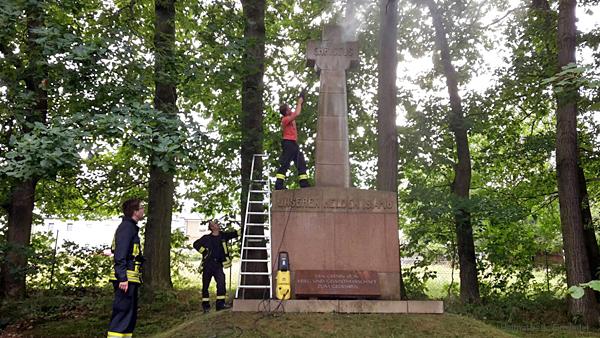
(279, 184)
(222, 306)
(205, 307)
(304, 184)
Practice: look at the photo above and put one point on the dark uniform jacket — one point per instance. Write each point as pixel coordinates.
(214, 248)
(127, 253)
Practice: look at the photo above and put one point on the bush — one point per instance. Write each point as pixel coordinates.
(72, 266)
(182, 256)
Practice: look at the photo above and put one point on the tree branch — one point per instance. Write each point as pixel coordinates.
(510, 11)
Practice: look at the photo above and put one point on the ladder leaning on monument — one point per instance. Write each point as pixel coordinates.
(256, 242)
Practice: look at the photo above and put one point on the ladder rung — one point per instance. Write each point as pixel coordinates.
(256, 240)
(258, 224)
(258, 202)
(244, 260)
(261, 191)
(254, 248)
(255, 273)
(257, 213)
(260, 181)
(254, 286)
(256, 236)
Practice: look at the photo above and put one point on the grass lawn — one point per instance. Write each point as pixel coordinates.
(231, 324)
(85, 313)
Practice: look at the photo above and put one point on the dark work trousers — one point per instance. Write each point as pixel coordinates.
(291, 152)
(124, 311)
(213, 269)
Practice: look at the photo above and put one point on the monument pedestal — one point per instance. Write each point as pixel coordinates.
(345, 239)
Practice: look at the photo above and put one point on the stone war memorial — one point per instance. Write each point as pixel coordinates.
(342, 242)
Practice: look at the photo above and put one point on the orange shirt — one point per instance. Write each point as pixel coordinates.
(288, 124)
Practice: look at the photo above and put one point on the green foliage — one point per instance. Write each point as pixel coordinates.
(69, 267)
(577, 291)
(182, 257)
(572, 76)
(41, 152)
(72, 266)
(415, 279)
(86, 312)
(517, 309)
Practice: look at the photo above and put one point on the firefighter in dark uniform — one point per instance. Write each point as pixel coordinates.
(215, 257)
(127, 277)
(289, 144)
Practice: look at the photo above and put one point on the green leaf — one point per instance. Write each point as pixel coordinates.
(576, 291)
(594, 285)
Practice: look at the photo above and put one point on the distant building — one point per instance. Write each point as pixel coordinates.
(100, 233)
(195, 228)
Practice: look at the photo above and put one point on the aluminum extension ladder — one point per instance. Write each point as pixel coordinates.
(258, 207)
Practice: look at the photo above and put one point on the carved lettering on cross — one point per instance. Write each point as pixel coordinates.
(332, 53)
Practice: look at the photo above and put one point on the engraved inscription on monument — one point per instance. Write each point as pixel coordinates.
(336, 283)
(333, 204)
(333, 50)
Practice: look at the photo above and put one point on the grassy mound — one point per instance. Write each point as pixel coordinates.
(241, 324)
(85, 313)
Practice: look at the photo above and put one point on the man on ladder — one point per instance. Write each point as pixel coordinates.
(215, 257)
(289, 144)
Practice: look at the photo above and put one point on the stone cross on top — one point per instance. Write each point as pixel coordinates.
(331, 57)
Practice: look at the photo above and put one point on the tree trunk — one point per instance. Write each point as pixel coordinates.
(22, 198)
(252, 92)
(20, 216)
(387, 133)
(252, 132)
(569, 192)
(591, 243)
(157, 246)
(469, 285)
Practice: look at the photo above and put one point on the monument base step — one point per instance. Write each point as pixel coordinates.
(340, 306)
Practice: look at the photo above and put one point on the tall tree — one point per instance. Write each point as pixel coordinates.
(157, 246)
(22, 192)
(252, 91)
(569, 189)
(469, 285)
(387, 62)
(542, 7)
(252, 123)
(387, 133)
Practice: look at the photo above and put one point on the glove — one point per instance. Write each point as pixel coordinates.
(302, 94)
